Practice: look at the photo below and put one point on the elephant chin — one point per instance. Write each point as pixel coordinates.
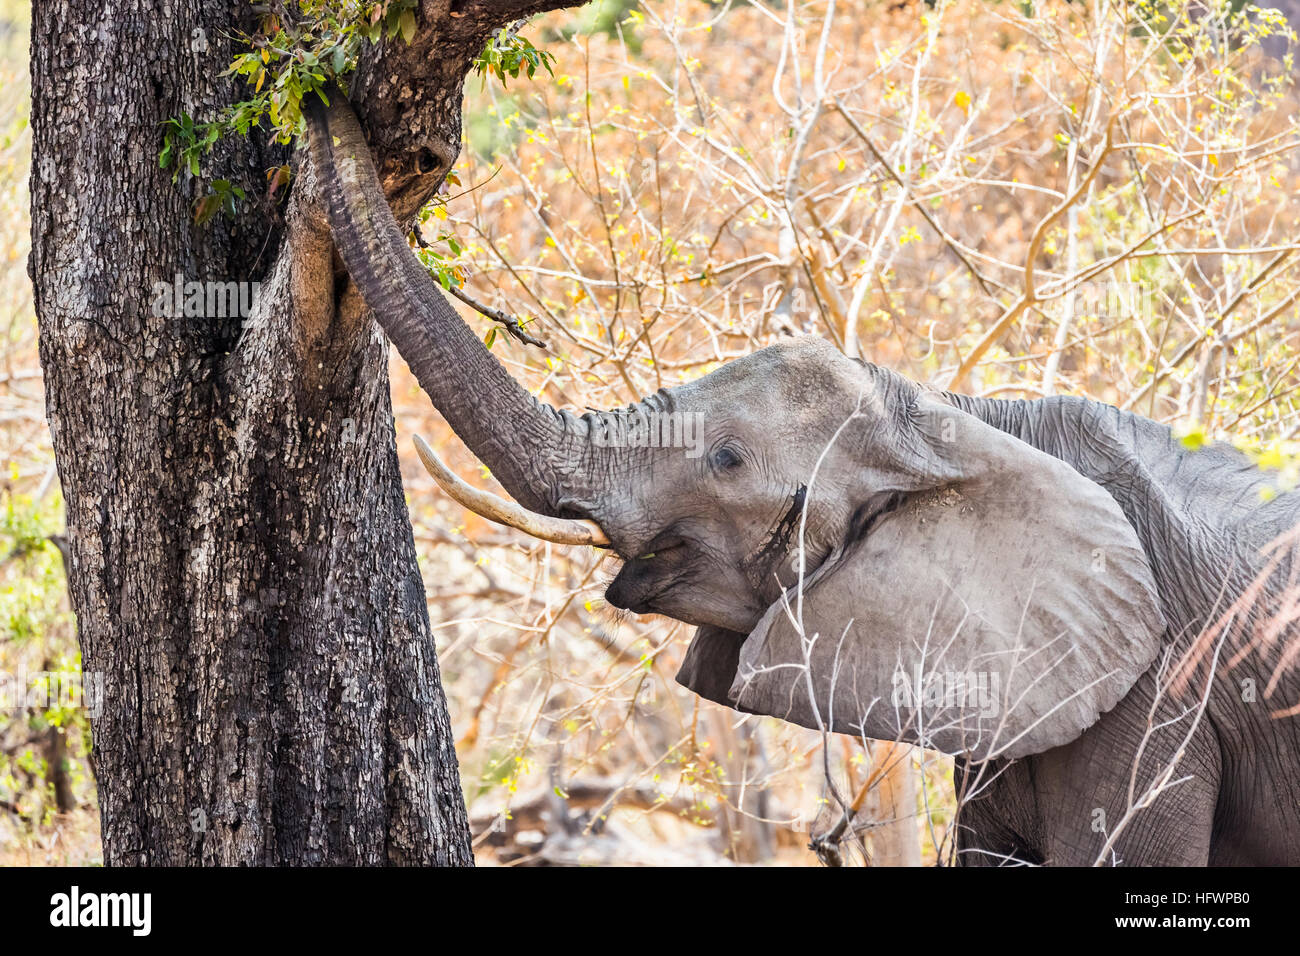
(628, 593)
(618, 596)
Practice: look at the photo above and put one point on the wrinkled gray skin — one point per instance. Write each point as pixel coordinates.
(1198, 515)
(713, 540)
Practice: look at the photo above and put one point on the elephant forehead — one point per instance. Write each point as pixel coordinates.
(803, 385)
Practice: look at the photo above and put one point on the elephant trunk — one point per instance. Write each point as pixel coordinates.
(529, 446)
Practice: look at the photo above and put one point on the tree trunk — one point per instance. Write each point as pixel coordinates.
(242, 564)
(894, 842)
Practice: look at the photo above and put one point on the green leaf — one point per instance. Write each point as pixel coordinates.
(408, 25)
(207, 208)
(490, 337)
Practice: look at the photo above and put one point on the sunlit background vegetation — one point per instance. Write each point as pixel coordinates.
(1012, 199)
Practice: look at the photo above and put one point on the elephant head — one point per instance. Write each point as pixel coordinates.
(860, 555)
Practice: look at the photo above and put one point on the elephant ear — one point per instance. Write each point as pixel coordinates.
(997, 614)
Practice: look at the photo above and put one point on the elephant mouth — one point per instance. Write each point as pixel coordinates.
(642, 596)
(641, 604)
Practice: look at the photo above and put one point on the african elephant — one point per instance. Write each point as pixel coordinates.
(1026, 585)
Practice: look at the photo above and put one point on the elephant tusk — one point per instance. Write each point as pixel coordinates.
(494, 508)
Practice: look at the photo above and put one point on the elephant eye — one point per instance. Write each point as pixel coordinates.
(727, 458)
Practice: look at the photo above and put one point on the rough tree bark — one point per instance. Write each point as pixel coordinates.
(242, 565)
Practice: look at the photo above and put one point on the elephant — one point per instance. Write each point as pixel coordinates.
(1061, 595)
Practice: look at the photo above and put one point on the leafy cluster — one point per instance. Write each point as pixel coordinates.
(440, 265)
(37, 636)
(294, 55)
(507, 55)
(285, 61)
